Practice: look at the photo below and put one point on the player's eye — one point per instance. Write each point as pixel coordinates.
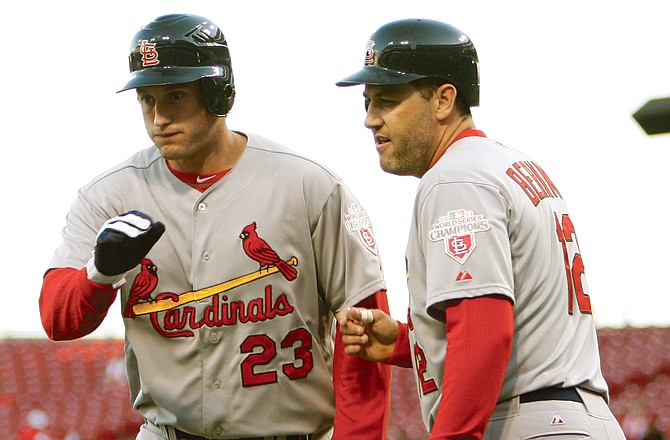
(385, 102)
(367, 104)
(176, 95)
(146, 100)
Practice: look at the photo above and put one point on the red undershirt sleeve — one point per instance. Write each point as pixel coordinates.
(362, 388)
(480, 332)
(72, 306)
(402, 355)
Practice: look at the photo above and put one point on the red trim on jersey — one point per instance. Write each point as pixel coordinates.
(468, 133)
(480, 332)
(71, 305)
(198, 181)
(402, 355)
(362, 388)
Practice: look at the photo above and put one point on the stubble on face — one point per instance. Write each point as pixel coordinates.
(410, 127)
(412, 149)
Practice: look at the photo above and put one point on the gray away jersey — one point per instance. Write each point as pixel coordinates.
(214, 341)
(488, 220)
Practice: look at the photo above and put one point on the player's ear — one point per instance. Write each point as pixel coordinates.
(445, 100)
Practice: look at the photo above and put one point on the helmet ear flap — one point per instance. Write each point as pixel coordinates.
(218, 95)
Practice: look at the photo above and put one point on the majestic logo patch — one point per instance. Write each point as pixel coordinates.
(463, 276)
(357, 220)
(557, 420)
(149, 54)
(457, 229)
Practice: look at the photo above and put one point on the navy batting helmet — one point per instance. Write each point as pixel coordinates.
(406, 50)
(182, 48)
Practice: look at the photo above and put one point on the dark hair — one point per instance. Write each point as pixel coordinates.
(427, 86)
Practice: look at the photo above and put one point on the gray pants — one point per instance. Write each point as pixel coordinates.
(554, 419)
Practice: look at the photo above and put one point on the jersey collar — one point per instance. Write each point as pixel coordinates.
(466, 133)
(198, 181)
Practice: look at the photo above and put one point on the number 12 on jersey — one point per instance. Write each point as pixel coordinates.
(573, 269)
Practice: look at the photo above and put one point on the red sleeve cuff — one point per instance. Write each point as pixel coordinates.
(362, 389)
(402, 355)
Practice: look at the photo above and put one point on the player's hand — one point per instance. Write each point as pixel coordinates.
(124, 240)
(368, 333)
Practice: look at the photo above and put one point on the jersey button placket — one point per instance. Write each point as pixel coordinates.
(202, 206)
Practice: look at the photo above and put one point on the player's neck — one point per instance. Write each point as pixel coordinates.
(450, 135)
(223, 154)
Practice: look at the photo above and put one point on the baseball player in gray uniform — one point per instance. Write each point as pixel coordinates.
(500, 331)
(231, 255)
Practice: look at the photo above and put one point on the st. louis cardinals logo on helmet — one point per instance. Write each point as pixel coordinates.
(149, 54)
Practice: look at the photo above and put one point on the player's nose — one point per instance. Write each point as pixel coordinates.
(161, 115)
(372, 120)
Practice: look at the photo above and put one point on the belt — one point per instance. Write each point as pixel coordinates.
(181, 435)
(551, 393)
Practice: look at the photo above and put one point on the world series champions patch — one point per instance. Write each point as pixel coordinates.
(457, 229)
(357, 220)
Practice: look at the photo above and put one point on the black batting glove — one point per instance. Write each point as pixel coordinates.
(123, 241)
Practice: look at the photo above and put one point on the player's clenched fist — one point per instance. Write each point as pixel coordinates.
(368, 333)
(124, 240)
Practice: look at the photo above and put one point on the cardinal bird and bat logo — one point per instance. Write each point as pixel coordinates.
(257, 249)
(140, 301)
(145, 283)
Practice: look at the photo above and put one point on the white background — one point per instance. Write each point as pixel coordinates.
(559, 80)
